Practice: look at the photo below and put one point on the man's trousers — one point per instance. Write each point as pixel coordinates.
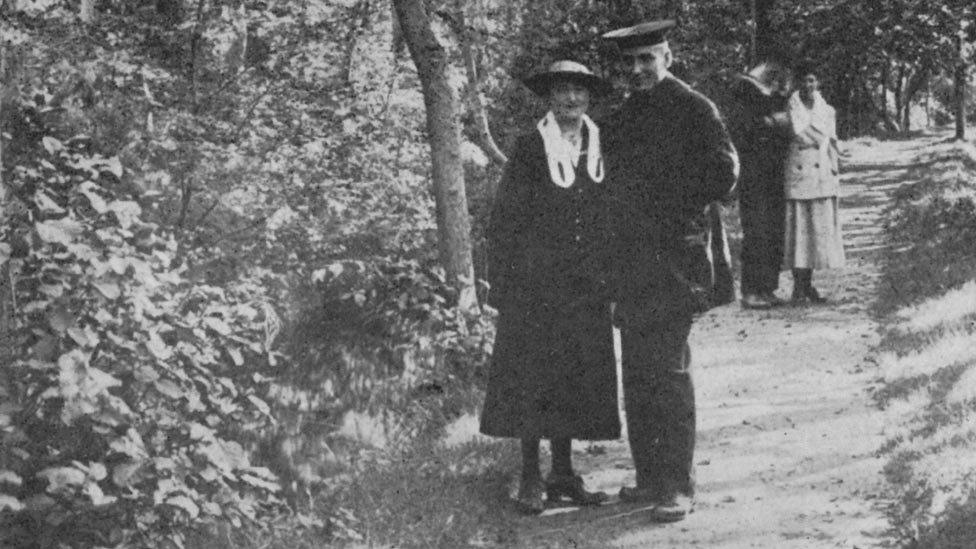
(763, 232)
(659, 401)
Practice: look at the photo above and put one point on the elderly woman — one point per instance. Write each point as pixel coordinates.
(553, 373)
(813, 237)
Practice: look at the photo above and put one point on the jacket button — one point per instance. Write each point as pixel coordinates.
(817, 165)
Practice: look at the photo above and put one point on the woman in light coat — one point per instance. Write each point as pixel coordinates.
(813, 235)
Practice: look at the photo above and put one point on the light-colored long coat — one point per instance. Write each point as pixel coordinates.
(811, 165)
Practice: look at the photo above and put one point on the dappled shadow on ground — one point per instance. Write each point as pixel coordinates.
(867, 186)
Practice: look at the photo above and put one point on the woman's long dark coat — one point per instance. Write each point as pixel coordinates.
(552, 373)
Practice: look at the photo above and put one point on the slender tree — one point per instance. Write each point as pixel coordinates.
(471, 46)
(960, 89)
(444, 132)
(87, 12)
(764, 37)
(6, 308)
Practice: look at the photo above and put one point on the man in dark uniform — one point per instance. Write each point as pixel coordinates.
(761, 132)
(668, 155)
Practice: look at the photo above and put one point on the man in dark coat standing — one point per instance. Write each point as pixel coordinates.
(761, 133)
(668, 155)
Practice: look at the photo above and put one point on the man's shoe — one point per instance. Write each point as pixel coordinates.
(814, 296)
(571, 487)
(633, 494)
(755, 301)
(529, 499)
(673, 508)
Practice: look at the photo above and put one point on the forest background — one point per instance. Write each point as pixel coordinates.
(242, 241)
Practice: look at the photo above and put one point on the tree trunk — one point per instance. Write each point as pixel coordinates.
(885, 75)
(899, 87)
(928, 104)
(470, 47)
(753, 54)
(444, 132)
(358, 22)
(906, 115)
(676, 10)
(87, 12)
(960, 88)
(913, 86)
(765, 38)
(236, 53)
(6, 291)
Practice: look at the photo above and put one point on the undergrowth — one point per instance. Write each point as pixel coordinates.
(422, 494)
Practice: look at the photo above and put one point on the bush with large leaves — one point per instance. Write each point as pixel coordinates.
(128, 409)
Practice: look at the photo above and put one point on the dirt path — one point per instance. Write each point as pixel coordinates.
(787, 435)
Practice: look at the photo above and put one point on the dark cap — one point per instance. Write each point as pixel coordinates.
(569, 71)
(649, 33)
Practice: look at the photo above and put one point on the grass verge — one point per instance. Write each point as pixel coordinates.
(928, 306)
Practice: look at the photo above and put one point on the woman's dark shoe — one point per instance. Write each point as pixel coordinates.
(799, 296)
(814, 296)
(529, 499)
(571, 487)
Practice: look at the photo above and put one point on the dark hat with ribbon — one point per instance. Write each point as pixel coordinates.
(649, 33)
(570, 71)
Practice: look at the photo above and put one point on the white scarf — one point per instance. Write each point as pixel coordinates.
(815, 125)
(563, 156)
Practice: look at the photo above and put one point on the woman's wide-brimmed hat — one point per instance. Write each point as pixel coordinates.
(571, 71)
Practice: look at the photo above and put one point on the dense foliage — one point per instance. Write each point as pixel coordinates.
(125, 409)
(219, 242)
(220, 237)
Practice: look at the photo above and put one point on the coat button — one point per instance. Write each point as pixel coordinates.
(817, 165)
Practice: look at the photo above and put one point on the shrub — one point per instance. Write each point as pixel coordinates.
(125, 409)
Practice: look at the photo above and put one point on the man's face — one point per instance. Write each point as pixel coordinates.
(645, 66)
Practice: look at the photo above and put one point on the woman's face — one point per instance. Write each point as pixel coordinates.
(808, 85)
(568, 101)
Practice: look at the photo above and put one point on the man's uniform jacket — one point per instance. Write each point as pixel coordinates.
(668, 155)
